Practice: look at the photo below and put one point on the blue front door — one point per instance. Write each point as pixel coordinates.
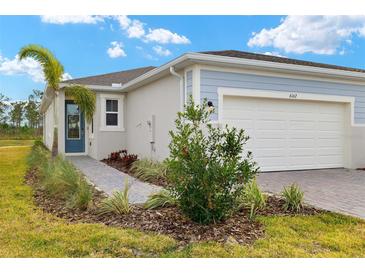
(74, 128)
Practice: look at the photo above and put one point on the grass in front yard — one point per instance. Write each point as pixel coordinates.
(26, 231)
(5, 143)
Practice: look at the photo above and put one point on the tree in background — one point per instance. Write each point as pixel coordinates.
(4, 108)
(17, 113)
(32, 113)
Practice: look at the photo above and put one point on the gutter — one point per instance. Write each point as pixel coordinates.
(173, 72)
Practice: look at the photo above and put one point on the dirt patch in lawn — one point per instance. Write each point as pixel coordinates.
(169, 221)
(119, 165)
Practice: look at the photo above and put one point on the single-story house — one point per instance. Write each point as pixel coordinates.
(298, 114)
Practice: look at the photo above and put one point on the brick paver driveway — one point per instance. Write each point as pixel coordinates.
(339, 190)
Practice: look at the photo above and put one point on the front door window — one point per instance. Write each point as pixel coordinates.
(73, 122)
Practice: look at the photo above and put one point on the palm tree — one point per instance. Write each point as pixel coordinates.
(53, 72)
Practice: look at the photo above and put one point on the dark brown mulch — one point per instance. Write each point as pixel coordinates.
(121, 167)
(169, 221)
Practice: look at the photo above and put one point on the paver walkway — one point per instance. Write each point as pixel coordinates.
(110, 179)
(339, 190)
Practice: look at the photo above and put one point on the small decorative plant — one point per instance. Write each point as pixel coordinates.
(207, 166)
(253, 198)
(118, 203)
(293, 198)
(149, 170)
(160, 199)
(122, 155)
(128, 159)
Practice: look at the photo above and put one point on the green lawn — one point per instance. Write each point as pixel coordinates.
(28, 232)
(4, 143)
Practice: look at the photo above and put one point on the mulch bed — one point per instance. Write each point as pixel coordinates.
(119, 165)
(169, 221)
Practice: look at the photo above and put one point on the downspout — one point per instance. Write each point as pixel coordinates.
(173, 72)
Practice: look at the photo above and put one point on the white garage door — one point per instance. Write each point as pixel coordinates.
(289, 134)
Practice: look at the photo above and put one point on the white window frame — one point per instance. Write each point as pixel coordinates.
(103, 125)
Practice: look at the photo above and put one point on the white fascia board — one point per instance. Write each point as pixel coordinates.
(94, 87)
(46, 100)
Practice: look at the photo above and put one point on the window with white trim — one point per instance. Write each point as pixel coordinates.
(111, 112)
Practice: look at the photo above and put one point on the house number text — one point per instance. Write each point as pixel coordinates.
(293, 95)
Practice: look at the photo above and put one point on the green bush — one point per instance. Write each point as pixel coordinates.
(207, 165)
(293, 198)
(59, 178)
(38, 155)
(253, 198)
(160, 199)
(118, 203)
(82, 196)
(149, 170)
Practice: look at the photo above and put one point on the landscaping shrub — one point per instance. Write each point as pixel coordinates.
(207, 165)
(59, 178)
(122, 155)
(82, 196)
(293, 198)
(253, 198)
(160, 199)
(149, 170)
(38, 155)
(118, 203)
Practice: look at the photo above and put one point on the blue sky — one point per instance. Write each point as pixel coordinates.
(89, 45)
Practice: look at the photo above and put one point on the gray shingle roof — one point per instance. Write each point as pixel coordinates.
(271, 58)
(110, 78)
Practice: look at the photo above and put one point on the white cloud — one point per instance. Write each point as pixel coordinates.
(273, 53)
(71, 19)
(135, 29)
(123, 20)
(161, 51)
(116, 50)
(315, 34)
(66, 76)
(27, 66)
(164, 36)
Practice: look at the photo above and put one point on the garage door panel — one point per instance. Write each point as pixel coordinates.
(267, 134)
(270, 124)
(302, 125)
(301, 143)
(262, 153)
(289, 134)
(245, 124)
(330, 142)
(274, 143)
(299, 152)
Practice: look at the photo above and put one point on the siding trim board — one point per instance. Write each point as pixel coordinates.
(212, 80)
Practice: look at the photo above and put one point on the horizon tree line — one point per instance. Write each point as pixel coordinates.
(21, 113)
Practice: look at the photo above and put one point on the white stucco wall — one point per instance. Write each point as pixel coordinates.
(161, 99)
(357, 147)
(48, 126)
(103, 142)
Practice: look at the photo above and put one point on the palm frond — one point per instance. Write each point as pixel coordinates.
(83, 97)
(52, 68)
